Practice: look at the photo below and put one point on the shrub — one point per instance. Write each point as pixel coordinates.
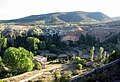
(56, 76)
(2, 81)
(77, 72)
(65, 76)
(76, 59)
(82, 61)
(79, 66)
(38, 66)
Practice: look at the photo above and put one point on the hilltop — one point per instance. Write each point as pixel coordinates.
(63, 17)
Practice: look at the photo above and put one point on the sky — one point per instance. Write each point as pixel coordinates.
(13, 9)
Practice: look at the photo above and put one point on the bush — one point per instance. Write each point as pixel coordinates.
(2, 81)
(38, 66)
(79, 66)
(65, 76)
(76, 59)
(82, 61)
(56, 76)
(77, 72)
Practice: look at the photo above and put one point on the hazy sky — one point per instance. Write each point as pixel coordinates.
(12, 9)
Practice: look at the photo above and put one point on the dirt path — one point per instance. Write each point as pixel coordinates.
(33, 74)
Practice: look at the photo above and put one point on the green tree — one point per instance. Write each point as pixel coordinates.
(32, 43)
(92, 53)
(42, 45)
(3, 43)
(100, 53)
(10, 35)
(53, 49)
(34, 32)
(18, 58)
(104, 56)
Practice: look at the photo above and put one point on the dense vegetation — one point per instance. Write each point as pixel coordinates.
(18, 49)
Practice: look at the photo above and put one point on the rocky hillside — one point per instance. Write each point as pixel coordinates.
(64, 17)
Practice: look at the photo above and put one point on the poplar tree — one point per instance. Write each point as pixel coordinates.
(100, 53)
(92, 53)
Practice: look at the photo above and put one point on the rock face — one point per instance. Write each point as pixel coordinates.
(103, 32)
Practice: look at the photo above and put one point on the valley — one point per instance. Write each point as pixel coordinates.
(59, 46)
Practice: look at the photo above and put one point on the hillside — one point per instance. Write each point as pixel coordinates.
(116, 18)
(64, 17)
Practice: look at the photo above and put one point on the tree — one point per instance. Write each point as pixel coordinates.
(100, 53)
(102, 61)
(18, 58)
(104, 56)
(42, 45)
(53, 49)
(32, 43)
(92, 53)
(10, 35)
(34, 32)
(3, 43)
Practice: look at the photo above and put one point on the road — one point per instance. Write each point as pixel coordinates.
(33, 74)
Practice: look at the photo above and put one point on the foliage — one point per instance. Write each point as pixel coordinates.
(3, 45)
(77, 72)
(83, 61)
(1, 65)
(87, 40)
(79, 60)
(100, 53)
(42, 45)
(56, 76)
(20, 40)
(114, 56)
(32, 43)
(2, 81)
(66, 76)
(34, 32)
(92, 53)
(76, 59)
(3, 42)
(38, 66)
(79, 66)
(18, 58)
(53, 49)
